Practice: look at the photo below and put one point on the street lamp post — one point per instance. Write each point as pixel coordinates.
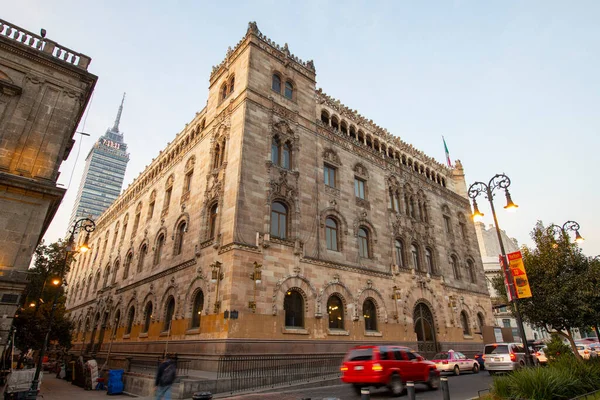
(89, 226)
(565, 228)
(500, 181)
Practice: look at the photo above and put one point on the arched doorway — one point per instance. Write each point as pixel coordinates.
(101, 334)
(425, 330)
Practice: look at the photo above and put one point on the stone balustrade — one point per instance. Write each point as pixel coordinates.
(31, 40)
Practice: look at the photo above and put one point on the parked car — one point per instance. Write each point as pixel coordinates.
(480, 359)
(503, 357)
(390, 366)
(455, 362)
(586, 351)
(541, 357)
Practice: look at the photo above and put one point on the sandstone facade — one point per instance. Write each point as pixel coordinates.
(274, 176)
(44, 89)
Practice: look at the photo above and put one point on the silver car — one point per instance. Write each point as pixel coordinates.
(501, 357)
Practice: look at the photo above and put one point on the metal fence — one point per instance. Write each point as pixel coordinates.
(149, 366)
(591, 395)
(264, 371)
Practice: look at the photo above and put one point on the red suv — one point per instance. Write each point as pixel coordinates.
(390, 366)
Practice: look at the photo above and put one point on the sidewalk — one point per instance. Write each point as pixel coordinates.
(59, 389)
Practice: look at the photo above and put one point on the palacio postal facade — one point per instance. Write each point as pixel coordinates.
(281, 221)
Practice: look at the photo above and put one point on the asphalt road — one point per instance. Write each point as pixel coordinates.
(464, 386)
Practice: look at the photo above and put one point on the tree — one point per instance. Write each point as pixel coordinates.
(559, 276)
(31, 322)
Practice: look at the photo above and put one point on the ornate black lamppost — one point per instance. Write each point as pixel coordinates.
(500, 181)
(89, 226)
(565, 228)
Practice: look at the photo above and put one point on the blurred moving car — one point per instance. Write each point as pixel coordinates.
(455, 362)
(390, 366)
(480, 359)
(586, 351)
(540, 354)
(503, 357)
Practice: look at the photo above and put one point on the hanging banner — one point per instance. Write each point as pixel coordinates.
(504, 267)
(517, 269)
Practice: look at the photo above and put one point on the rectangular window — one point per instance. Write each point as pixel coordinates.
(167, 198)
(447, 224)
(330, 176)
(150, 210)
(396, 204)
(359, 188)
(463, 230)
(187, 184)
(506, 323)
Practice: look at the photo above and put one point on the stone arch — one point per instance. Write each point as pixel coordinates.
(435, 303)
(374, 294)
(184, 216)
(426, 326)
(300, 283)
(362, 221)
(190, 163)
(360, 170)
(170, 292)
(150, 297)
(339, 288)
(198, 284)
(331, 156)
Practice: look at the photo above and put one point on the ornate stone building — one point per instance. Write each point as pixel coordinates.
(44, 89)
(280, 220)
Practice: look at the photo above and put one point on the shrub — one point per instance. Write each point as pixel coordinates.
(557, 348)
(565, 378)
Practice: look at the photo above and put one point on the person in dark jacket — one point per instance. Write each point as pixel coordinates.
(165, 376)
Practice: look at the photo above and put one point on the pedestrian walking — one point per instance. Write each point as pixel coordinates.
(165, 376)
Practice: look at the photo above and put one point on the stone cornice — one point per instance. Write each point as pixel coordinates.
(82, 305)
(345, 267)
(161, 274)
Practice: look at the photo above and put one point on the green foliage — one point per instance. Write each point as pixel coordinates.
(564, 379)
(559, 276)
(31, 323)
(556, 349)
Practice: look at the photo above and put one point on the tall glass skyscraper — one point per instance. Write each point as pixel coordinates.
(103, 175)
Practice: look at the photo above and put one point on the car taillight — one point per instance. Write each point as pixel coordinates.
(344, 369)
(377, 367)
(445, 362)
(513, 357)
(586, 352)
(483, 356)
(537, 353)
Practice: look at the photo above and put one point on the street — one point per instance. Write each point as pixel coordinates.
(464, 386)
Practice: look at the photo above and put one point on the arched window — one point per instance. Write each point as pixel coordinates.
(411, 207)
(223, 91)
(275, 151)
(147, 317)
(429, 261)
(399, 253)
(370, 315)
(106, 276)
(471, 268)
(363, 243)
(97, 281)
(455, 270)
(276, 83)
(114, 274)
(325, 118)
(293, 305)
(331, 234)
(117, 321)
(278, 220)
(181, 229)
(289, 90)
(170, 310)
(480, 322)
(414, 251)
(160, 243)
(197, 309)
(127, 265)
(130, 318)
(142, 257)
(232, 84)
(464, 322)
(286, 156)
(335, 310)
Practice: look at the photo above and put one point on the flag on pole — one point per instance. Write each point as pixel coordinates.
(447, 153)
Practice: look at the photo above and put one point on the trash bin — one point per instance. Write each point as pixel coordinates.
(115, 381)
(202, 396)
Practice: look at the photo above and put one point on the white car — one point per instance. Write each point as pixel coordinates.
(541, 357)
(455, 362)
(586, 351)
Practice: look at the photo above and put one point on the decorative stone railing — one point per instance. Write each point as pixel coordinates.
(31, 40)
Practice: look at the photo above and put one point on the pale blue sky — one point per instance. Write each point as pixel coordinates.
(513, 86)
